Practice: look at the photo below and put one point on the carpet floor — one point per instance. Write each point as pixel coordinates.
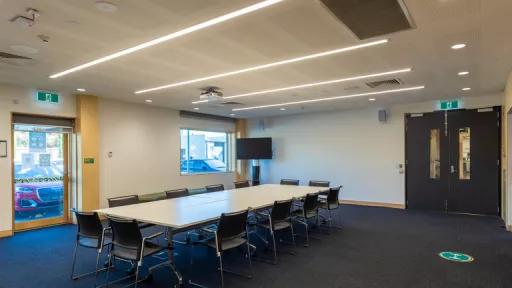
(377, 248)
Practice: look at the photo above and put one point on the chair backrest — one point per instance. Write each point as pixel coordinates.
(319, 183)
(176, 193)
(214, 188)
(231, 225)
(311, 202)
(89, 225)
(126, 234)
(123, 201)
(333, 197)
(281, 210)
(242, 184)
(290, 182)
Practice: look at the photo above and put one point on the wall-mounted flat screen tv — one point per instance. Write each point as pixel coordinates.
(254, 148)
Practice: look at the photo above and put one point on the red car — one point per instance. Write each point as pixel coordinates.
(31, 198)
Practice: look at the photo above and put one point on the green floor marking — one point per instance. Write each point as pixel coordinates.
(456, 257)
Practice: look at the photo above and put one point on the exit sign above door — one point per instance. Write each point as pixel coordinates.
(48, 97)
(449, 104)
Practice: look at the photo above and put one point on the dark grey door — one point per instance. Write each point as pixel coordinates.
(427, 175)
(452, 161)
(474, 161)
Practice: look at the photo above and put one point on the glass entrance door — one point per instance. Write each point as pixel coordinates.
(40, 166)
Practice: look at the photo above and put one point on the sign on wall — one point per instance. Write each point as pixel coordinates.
(449, 104)
(48, 97)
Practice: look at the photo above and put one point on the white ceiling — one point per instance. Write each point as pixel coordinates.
(80, 33)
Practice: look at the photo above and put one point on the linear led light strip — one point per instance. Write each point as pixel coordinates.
(173, 35)
(264, 66)
(330, 98)
(312, 84)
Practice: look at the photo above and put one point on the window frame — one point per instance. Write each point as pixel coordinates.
(229, 153)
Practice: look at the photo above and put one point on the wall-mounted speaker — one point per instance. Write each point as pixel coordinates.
(383, 116)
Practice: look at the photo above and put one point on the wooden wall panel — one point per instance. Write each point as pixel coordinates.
(87, 128)
(241, 165)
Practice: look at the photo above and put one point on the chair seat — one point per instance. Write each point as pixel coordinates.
(92, 242)
(300, 213)
(327, 206)
(277, 226)
(227, 244)
(150, 248)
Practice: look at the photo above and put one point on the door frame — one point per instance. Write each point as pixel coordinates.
(500, 149)
(65, 219)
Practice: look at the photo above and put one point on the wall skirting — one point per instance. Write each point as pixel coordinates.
(374, 204)
(6, 233)
(509, 228)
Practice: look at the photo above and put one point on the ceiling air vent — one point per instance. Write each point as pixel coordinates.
(231, 103)
(371, 18)
(388, 83)
(15, 60)
(12, 56)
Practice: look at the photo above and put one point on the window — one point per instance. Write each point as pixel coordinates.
(205, 152)
(435, 154)
(465, 153)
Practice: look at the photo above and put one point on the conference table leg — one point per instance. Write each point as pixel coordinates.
(170, 253)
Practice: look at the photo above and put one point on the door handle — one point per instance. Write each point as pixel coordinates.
(452, 169)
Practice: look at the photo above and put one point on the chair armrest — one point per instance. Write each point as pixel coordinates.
(152, 236)
(208, 230)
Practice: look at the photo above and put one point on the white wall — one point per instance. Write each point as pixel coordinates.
(145, 144)
(349, 148)
(26, 104)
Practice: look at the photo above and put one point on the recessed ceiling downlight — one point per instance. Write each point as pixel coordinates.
(80, 89)
(105, 6)
(458, 46)
(462, 73)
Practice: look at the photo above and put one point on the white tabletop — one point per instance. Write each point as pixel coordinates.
(188, 211)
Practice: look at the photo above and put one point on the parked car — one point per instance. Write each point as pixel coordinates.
(38, 191)
(31, 198)
(203, 165)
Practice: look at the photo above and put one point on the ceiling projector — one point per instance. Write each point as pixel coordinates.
(211, 94)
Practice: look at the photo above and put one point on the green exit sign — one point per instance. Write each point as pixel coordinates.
(48, 97)
(449, 104)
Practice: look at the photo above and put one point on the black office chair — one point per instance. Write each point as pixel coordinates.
(123, 201)
(231, 233)
(309, 210)
(214, 188)
(329, 204)
(176, 193)
(242, 184)
(127, 200)
(129, 245)
(91, 234)
(289, 182)
(319, 183)
(278, 219)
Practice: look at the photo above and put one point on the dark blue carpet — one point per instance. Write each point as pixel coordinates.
(377, 248)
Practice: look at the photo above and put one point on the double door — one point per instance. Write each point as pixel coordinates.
(453, 160)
